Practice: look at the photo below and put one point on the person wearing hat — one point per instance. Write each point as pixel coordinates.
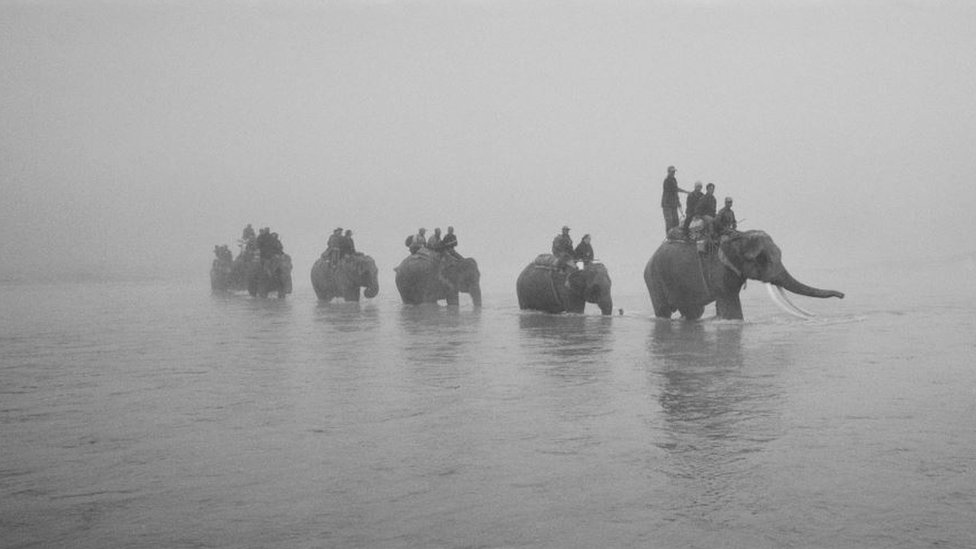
(670, 203)
(562, 245)
(346, 245)
(562, 249)
(333, 246)
(725, 220)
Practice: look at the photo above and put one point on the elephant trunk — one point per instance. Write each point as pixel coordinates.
(475, 293)
(787, 282)
(372, 284)
(606, 305)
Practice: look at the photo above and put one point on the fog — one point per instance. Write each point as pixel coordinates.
(137, 135)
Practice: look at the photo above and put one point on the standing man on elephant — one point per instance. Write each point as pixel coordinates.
(670, 203)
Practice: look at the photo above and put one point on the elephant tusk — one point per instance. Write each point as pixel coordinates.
(782, 302)
(789, 302)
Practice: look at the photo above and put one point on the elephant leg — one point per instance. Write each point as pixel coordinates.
(663, 311)
(692, 312)
(729, 307)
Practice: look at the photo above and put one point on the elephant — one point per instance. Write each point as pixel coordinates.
(232, 276)
(350, 274)
(548, 285)
(269, 275)
(220, 275)
(428, 276)
(681, 278)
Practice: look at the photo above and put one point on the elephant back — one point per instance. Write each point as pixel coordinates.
(547, 261)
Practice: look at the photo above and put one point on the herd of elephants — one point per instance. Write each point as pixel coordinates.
(680, 277)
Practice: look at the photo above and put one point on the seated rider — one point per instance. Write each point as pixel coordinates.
(705, 211)
(277, 248)
(346, 245)
(263, 243)
(584, 251)
(417, 241)
(562, 247)
(725, 220)
(434, 242)
(449, 242)
(331, 253)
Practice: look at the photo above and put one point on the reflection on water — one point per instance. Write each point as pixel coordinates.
(347, 317)
(433, 335)
(718, 411)
(150, 416)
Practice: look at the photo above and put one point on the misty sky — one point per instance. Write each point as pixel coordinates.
(136, 135)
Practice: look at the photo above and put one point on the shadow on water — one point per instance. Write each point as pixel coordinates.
(348, 317)
(718, 410)
(431, 334)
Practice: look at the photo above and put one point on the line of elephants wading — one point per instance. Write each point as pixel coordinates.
(679, 278)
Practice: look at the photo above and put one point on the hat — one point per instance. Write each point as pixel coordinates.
(698, 184)
(728, 199)
(565, 228)
(671, 168)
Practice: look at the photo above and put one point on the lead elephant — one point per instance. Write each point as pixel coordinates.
(428, 276)
(548, 285)
(679, 278)
(346, 278)
(270, 275)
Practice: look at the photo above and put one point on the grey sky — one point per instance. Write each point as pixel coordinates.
(135, 136)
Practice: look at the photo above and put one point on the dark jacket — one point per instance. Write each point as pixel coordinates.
(725, 220)
(693, 198)
(584, 252)
(706, 205)
(562, 245)
(669, 198)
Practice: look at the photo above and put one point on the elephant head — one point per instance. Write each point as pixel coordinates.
(270, 275)
(280, 267)
(592, 285)
(754, 255)
(367, 275)
(464, 274)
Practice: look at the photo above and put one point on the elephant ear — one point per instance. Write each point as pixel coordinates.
(578, 280)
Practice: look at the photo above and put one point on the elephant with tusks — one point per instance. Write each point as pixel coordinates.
(551, 286)
(680, 278)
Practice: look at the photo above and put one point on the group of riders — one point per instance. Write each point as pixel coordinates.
(443, 245)
(339, 246)
(702, 223)
(266, 243)
(568, 256)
